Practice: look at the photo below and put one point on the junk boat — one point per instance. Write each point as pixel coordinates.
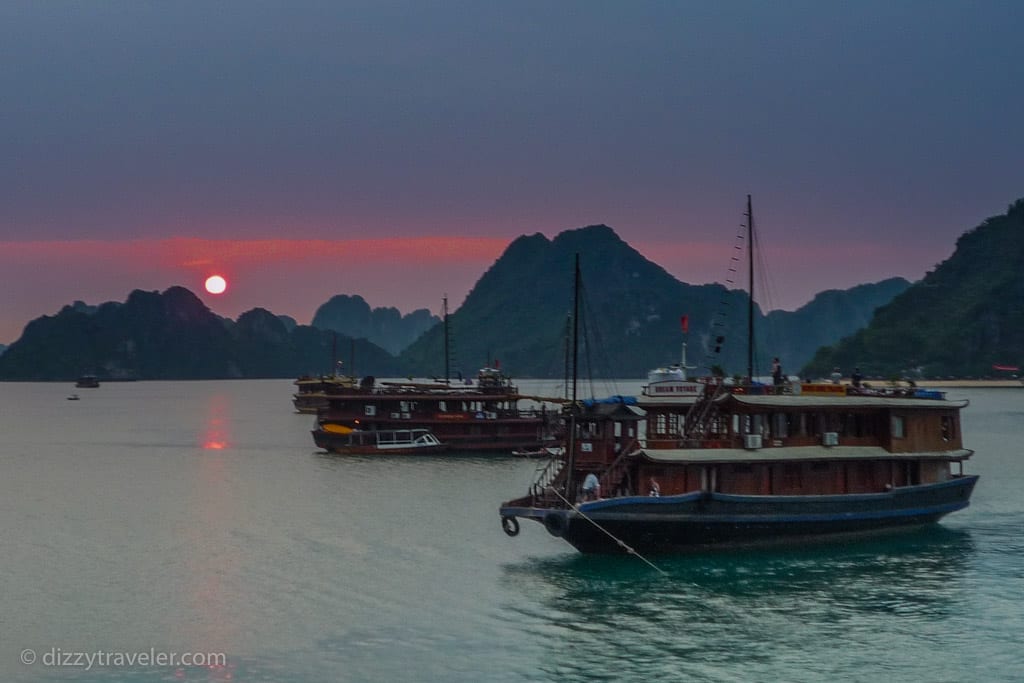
(753, 467)
(747, 463)
(483, 416)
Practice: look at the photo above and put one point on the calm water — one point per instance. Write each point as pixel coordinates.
(199, 517)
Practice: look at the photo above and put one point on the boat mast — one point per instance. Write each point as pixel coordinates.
(444, 313)
(568, 337)
(750, 302)
(570, 489)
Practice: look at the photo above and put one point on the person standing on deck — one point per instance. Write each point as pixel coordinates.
(591, 487)
(836, 376)
(777, 378)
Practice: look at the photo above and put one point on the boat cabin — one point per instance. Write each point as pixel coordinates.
(808, 444)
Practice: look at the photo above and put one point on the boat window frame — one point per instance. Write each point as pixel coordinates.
(898, 426)
(947, 428)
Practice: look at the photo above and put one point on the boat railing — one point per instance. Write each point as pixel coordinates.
(546, 476)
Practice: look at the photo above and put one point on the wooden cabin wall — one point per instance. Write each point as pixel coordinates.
(934, 471)
(796, 479)
(672, 480)
(924, 431)
(741, 479)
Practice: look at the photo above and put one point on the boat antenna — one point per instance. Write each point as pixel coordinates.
(352, 357)
(444, 313)
(750, 302)
(685, 322)
(334, 354)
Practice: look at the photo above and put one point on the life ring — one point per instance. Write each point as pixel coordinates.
(510, 525)
(555, 523)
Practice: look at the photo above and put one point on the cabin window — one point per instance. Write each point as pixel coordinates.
(897, 427)
(659, 424)
(369, 410)
(673, 424)
(780, 425)
(753, 424)
(855, 425)
(812, 425)
(442, 406)
(947, 428)
(617, 430)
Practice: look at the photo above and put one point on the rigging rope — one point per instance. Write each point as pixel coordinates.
(718, 329)
(621, 543)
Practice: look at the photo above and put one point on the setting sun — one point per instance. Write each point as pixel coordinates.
(215, 284)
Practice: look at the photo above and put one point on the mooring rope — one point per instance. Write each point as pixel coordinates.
(610, 535)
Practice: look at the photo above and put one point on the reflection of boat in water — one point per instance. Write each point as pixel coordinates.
(88, 382)
(746, 465)
(346, 441)
(720, 611)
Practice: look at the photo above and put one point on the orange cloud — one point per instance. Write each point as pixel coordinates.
(198, 252)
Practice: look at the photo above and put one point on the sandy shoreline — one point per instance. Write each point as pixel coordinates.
(966, 383)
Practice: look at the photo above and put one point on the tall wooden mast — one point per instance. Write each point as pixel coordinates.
(750, 302)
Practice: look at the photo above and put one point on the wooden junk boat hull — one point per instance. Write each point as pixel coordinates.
(762, 470)
(698, 520)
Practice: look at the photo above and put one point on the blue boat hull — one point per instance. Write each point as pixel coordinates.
(696, 520)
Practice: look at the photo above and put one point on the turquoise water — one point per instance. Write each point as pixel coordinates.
(199, 517)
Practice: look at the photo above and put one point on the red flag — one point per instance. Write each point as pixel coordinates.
(685, 321)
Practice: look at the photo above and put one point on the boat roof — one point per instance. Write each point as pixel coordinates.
(825, 401)
(790, 454)
(621, 411)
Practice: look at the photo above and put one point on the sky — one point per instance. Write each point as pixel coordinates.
(394, 149)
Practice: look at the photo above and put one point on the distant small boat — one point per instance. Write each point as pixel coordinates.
(73, 397)
(346, 441)
(88, 382)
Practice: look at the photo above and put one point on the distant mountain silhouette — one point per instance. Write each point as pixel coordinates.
(961, 319)
(385, 327)
(174, 335)
(517, 315)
